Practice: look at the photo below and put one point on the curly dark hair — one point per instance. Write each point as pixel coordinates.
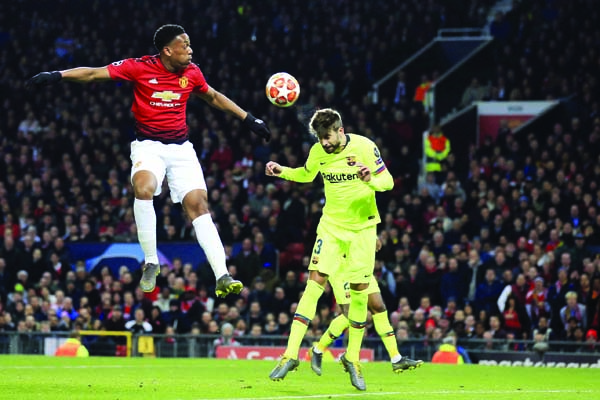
(165, 34)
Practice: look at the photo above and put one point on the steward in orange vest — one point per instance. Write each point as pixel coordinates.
(72, 347)
(437, 148)
(421, 90)
(447, 353)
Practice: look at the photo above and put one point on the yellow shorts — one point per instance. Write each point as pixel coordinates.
(341, 289)
(347, 255)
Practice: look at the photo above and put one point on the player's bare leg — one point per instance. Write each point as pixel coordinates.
(144, 185)
(195, 204)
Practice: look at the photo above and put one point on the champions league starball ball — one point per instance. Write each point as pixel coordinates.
(282, 89)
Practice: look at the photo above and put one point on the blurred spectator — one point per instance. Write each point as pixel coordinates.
(247, 262)
(156, 321)
(573, 309)
(473, 93)
(516, 320)
(138, 324)
(454, 283)
(175, 318)
(227, 338)
(487, 292)
(557, 299)
(260, 295)
(115, 320)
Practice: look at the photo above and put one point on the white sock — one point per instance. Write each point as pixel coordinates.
(208, 238)
(396, 358)
(316, 350)
(145, 220)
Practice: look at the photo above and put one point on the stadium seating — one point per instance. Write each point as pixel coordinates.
(64, 170)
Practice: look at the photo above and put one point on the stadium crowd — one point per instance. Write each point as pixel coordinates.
(508, 251)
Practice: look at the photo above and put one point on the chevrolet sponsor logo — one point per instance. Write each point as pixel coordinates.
(167, 95)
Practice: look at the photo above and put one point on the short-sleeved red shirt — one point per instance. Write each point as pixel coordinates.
(160, 96)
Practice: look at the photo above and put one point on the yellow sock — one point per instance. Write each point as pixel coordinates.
(357, 317)
(306, 310)
(335, 330)
(386, 332)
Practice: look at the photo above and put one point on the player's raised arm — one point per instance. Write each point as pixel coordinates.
(218, 100)
(79, 74)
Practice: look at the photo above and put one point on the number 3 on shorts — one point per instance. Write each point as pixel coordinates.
(318, 245)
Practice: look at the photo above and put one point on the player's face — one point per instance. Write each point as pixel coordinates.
(180, 51)
(332, 140)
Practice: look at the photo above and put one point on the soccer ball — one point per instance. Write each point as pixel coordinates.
(282, 89)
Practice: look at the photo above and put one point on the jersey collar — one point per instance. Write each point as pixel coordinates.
(347, 143)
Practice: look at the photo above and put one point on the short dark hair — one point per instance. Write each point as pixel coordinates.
(324, 120)
(165, 34)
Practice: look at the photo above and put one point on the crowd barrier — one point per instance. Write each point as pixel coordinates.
(118, 344)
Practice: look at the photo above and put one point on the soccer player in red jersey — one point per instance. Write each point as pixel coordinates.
(162, 85)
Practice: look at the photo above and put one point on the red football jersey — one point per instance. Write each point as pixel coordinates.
(160, 96)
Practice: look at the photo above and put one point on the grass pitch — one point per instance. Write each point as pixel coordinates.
(38, 377)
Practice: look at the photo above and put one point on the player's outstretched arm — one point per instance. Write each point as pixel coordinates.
(302, 174)
(79, 74)
(221, 102)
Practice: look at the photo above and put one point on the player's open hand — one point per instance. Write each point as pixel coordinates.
(273, 169)
(364, 173)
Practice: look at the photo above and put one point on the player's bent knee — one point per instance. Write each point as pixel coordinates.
(376, 304)
(377, 309)
(144, 192)
(144, 185)
(318, 277)
(195, 203)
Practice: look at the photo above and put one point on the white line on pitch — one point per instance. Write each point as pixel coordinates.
(420, 392)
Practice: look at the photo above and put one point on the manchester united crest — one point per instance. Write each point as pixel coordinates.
(351, 161)
(183, 82)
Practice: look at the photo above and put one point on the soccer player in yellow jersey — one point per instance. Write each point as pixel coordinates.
(352, 170)
(381, 321)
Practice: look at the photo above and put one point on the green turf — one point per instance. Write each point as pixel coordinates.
(33, 377)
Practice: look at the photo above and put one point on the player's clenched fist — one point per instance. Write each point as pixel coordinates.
(43, 79)
(364, 173)
(273, 169)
